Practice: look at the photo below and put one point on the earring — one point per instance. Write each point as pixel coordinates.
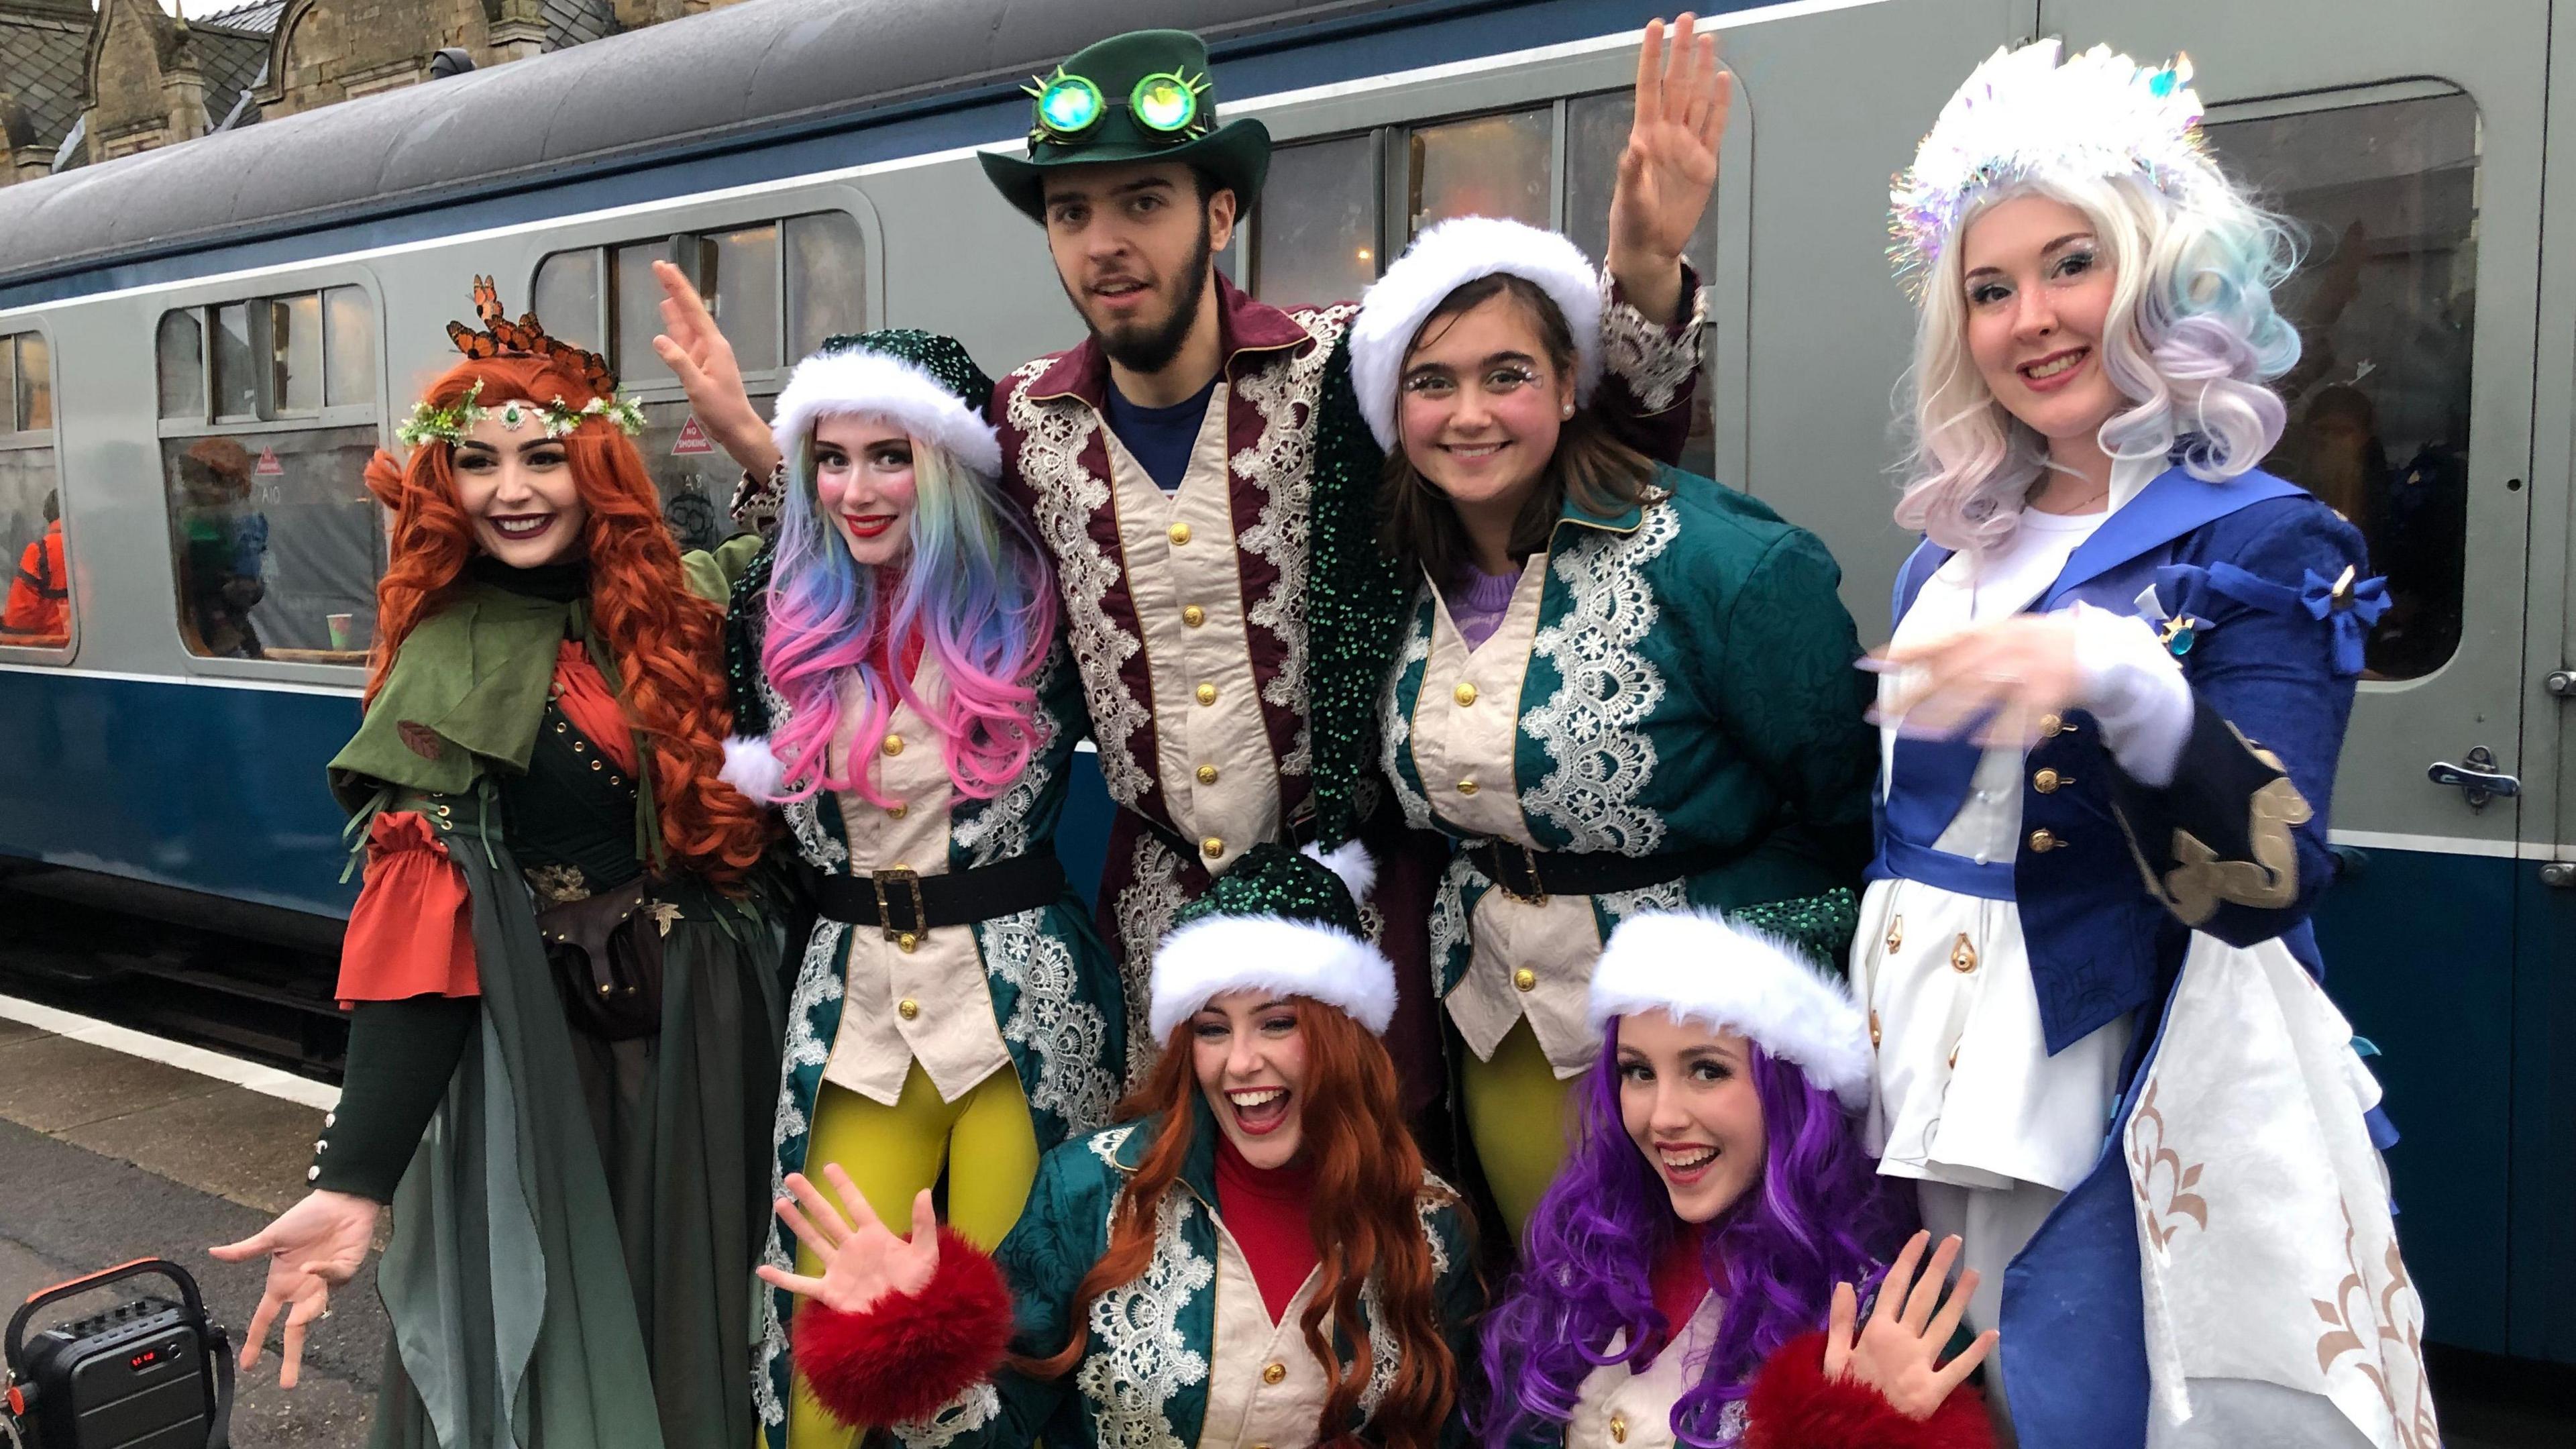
(1568, 411)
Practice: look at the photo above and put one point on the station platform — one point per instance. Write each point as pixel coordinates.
(115, 1145)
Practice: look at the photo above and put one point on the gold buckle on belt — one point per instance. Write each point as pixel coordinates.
(1536, 894)
(910, 879)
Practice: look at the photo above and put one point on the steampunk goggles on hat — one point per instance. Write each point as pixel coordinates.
(1165, 104)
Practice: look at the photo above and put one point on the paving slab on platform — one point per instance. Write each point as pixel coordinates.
(234, 1143)
(52, 1083)
(65, 1211)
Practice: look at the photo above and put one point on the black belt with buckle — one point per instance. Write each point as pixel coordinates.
(1532, 876)
(906, 902)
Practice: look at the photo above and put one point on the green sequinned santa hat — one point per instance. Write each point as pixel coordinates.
(922, 382)
(1279, 920)
(1698, 966)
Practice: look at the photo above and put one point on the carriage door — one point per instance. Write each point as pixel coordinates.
(2405, 139)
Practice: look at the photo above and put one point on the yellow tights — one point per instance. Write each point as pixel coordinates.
(892, 1153)
(1518, 1116)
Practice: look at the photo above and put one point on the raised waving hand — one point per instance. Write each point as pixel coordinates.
(1898, 1351)
(695, 350)
(863, 1261)
(1670, 165)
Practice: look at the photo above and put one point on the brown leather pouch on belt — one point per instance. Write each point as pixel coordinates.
(607, 956)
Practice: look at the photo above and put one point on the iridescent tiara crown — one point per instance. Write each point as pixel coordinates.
(2021, 116)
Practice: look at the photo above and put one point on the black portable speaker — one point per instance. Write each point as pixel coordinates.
(146, 1374)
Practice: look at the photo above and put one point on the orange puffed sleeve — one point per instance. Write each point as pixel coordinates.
(411, 933)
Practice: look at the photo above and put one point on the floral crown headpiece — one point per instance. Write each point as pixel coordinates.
(501, 337)
(2022, 116)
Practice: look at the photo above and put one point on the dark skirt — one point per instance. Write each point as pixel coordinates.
(571, 1259)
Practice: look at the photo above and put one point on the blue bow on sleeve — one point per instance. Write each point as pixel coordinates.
(2347, 605)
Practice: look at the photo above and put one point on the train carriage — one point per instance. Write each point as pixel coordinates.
(199, 346)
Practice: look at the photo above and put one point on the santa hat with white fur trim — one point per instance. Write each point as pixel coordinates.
(921, 381)
(1281, 920)
(1698, 966)
(1440, 261)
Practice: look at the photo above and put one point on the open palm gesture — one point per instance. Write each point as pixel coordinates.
(1670, 164)
(1898, 1351)
(313, 1247)
(863, 1261)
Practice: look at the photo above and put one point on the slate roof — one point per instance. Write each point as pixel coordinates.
(43, 62)
(235, 58)
(579, 22)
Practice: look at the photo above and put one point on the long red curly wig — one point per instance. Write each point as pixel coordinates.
(1365, 1216)
(666, 640)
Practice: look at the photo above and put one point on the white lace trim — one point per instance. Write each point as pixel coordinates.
(804, 817)
(1069, 1038)
(819, 978)
(1146, 905)
(978, 1405)
(1281, 464)
(1053, 437)
(1395, 716)
(1107, 1145)
(1449, 912)
(1000, 830)
(1139, 1360)
(1606, 689)
(1671, 895)
(1653, 361)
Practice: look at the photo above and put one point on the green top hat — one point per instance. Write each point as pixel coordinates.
(1142, 96)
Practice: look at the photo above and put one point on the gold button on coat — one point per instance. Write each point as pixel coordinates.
(2051, 726)
(893, 745)
(1466, 787)
(1193, 615)
(1525, 979)
(1207, 694)
(907, 1008)
(907, 943)
(1212, 847)
(2047, 781)
(1873, 1029)
(1274, 1373)
(2044, 841)
(1178, 533)
(1618, 1428)
(1465, 693)
(1895, 934)
(897, 810)
(1207, 774)
(1963, 955)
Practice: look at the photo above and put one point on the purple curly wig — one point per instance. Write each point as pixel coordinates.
(1817, 1216)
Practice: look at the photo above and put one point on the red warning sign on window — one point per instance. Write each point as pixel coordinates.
(268, 466)
(693, 439)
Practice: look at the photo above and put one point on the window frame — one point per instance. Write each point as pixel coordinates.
(16, 439)
(376, 413)
(1392, 107)
(701, 222)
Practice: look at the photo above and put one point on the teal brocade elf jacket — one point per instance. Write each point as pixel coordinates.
(1690, 688)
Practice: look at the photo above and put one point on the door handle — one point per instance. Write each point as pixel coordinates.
(2477, 778)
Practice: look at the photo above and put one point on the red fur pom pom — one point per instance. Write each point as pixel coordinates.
(1794, 1406)
(905, 1356)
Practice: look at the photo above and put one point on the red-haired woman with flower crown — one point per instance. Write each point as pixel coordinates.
(552, 955)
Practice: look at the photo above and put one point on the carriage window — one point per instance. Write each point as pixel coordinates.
(349, 322)
(2385, 303)
(777, 289)
(1596, 131)
(180, 359)
(826, 284)
(274, 540)
(236, 380)
(35, 586)
(639, 313)
(1324, 245)
(738, 271)
(295, 355)
(1487, 166)
(566, 297)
